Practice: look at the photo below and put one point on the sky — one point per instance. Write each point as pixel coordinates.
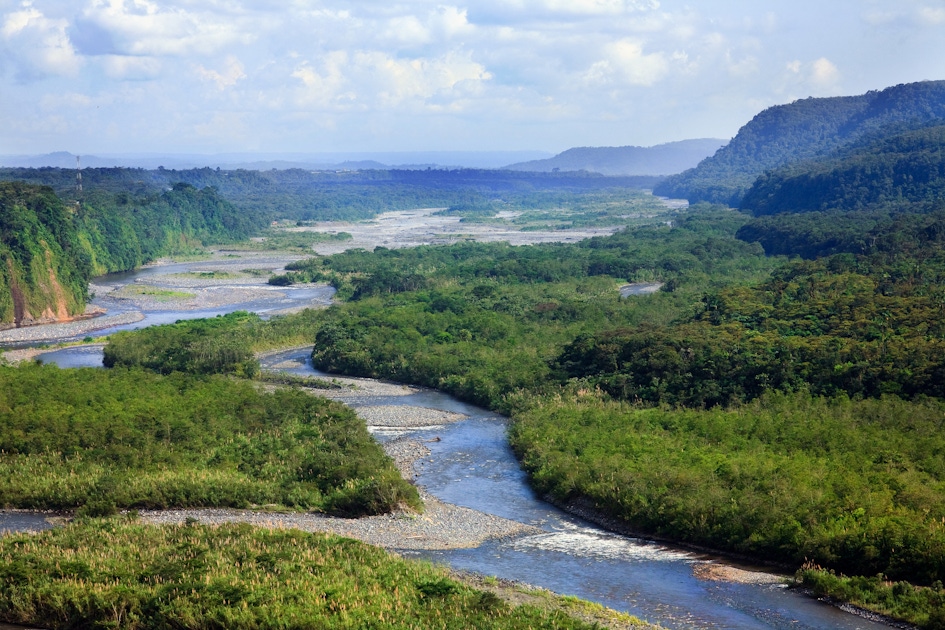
(310, 76)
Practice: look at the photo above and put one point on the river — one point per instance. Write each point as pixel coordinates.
(470, 464)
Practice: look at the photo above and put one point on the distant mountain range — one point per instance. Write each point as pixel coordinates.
(414, 160)
(662, 159)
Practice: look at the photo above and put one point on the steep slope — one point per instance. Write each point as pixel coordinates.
(49, 250)
(803, 130)
(662, 159)
(44, 271)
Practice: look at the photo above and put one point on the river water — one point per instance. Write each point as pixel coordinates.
(472, 465)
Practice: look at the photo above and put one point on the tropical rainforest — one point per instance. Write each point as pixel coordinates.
(779, 397)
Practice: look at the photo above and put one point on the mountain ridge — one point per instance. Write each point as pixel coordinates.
(805, 129)
(662, 159)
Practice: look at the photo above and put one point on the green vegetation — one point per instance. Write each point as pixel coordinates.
(851, 479)
(922, 606)
(127, 217)
(203, 346)
(305, 195)
(106, 439)
(899, 169)
(49, 250)
(125, 231)
(832, 326)
(853, 485)
(803, 130)
(118, 573)
(158, 293)
(563, 209)
(790, 410)
(277, 238)
(44, 269)
(484, 320)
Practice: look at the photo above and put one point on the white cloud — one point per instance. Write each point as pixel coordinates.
(626, 63)
(450, 21)
(745, 67)
(126, 68)
(377, 80)
(323, 86)
(824, 73)
(905, 14)
(232, 73)
(820, 77)
(611, 7)
(407, 29)
(38, 46)
(141, 27)
(932, 16)
(396, 80)
(529, 73)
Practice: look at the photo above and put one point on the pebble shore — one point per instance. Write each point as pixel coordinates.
(67, 330)
(441, 526)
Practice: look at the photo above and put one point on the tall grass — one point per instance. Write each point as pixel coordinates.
(121, 574)
(106, 439)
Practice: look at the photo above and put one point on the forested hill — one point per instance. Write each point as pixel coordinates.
(903, 168)
(662, 159)
(49, 249)
(804, 130)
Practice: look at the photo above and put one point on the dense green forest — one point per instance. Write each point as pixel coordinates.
(802, 130)
(862, 326)
(49, 250)
(205, 346)
(853, 485)
(98, 440)
(851, 480)
(897, 170)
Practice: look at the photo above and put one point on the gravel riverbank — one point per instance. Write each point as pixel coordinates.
(67, 330)
(441, 526)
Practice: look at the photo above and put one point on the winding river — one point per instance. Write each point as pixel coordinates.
(470, 464)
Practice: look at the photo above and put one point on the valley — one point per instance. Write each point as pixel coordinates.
(760, 377)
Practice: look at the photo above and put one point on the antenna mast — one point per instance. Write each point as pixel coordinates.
(78, 176)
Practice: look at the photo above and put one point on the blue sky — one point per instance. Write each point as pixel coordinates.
(212, 76)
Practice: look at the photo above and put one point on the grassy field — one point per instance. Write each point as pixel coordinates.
(118, 573)
(98, 440)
